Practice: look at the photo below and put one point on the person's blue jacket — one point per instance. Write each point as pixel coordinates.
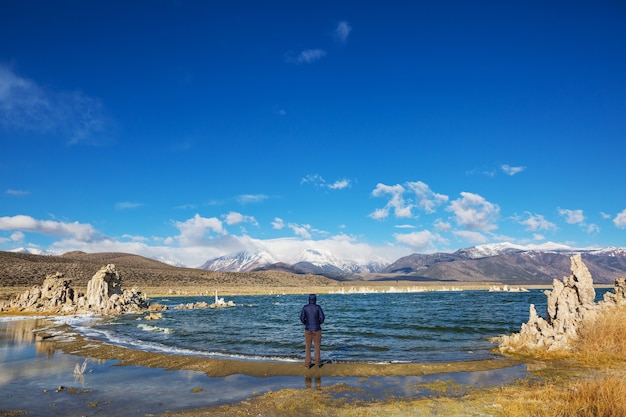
(312, 315)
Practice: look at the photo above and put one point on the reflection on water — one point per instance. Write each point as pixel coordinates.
(22, 333)
(37, 378)
(308, 380)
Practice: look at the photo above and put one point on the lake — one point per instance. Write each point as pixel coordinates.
(434, 326)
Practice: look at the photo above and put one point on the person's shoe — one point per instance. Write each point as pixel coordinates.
(309, 365)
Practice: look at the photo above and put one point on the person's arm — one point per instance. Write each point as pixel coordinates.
(302, 316)
(321, 316)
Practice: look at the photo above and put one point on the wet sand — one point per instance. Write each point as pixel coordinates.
(229, 380)
(70, 342)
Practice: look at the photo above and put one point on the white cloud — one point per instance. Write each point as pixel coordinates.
(301, 230)
(423, 241)
(396, 203)
(127, 205)
(315, 179)
(279, 111)
(379, 214)
(135, 238)
(474, 212)
(251, 198)
(193, 231)
(442, 226)
(427, 200)
(343, 31)
(620, 220)
(402, 205)
(339, 185)
(79, 231)
(509, 170)
(278, 223)
(536, 222)
(15, 237)
(572, 216)
(235, 218)
(319, 181)
(471, 236)
(17, 193)
(308, 56)
(593, 228)
(27, 107)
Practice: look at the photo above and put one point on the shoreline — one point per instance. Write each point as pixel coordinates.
(62, 337)
(390, 286)
(221, 382)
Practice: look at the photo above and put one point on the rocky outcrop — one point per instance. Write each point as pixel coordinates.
(104, 296)
(569, 303)
(618, 296)
(55, 294)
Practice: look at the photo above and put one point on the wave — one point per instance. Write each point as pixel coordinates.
(110, 337)
(149, 328)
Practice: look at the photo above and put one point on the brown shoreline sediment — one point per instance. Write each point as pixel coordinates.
(69, 342)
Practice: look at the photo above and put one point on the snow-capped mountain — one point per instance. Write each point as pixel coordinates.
(494, 249)
(239, 262)
(34, 251)
(310, 260)
(510, 263)
(167, 261)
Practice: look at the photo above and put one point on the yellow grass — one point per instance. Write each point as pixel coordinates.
(600, 391)
(601, 394)
(602, 340)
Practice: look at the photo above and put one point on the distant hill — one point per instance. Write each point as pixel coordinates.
(25, 270)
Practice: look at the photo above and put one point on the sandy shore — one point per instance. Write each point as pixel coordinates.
(77, 345)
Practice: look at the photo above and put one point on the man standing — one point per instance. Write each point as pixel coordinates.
(312, 316)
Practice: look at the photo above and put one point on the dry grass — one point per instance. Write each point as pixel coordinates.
(600, 388)
(597, 394)
(602, 340)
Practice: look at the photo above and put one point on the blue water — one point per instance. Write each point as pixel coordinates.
(379, 327)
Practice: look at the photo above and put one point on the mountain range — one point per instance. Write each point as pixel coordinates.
(503, 262)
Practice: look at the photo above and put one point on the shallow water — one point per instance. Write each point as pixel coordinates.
(381, 327)
(31, 375)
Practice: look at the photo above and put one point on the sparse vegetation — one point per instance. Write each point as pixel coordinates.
(19, 272)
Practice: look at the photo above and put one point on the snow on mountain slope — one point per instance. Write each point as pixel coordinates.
(33, 251)
(239, 262)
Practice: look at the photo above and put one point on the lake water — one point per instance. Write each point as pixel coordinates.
(435, 326)
(402, 327)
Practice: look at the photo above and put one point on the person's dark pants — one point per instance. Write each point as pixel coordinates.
(315, 337)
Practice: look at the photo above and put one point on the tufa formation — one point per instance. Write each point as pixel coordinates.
(104, 296)
(569, 303)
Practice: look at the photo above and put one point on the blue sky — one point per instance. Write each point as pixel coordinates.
(193, 129)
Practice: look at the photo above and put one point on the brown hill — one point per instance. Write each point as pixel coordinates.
(19, 271)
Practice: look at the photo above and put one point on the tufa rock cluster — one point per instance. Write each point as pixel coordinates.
(570, 302)
(104, 296)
